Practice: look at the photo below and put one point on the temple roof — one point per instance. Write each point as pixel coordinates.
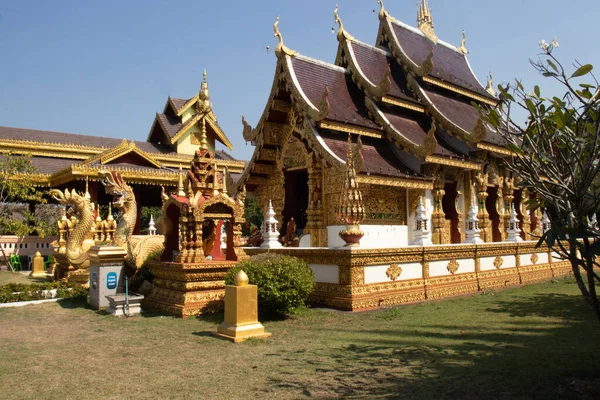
(74, 139)
(346, 104)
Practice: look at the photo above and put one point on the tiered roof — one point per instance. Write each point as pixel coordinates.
(412, 98)
(62, 157)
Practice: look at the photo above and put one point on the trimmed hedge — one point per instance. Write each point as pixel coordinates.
(14, 292)
(284, 282)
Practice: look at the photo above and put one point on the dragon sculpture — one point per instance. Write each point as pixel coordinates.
(139, 249)
(79, 240)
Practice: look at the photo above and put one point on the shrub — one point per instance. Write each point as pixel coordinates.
(284, 282)
(14, 292)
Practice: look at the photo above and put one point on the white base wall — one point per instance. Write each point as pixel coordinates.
(440, 268)
(376, 236)
(325, 273)
(377, 273)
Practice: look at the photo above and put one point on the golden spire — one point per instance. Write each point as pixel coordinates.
(110, 216)
(180, 189)
(462, 48)
(204, 104)
(425, 21)
(87, 191)
(281, 48)
(490, 85)
(351, 210)
(203, 144)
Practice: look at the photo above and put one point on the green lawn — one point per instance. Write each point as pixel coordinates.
(534, 342)
(18, 277)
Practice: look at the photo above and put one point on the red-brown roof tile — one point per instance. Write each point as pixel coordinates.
(75, 139)
(461, 113)
(378, 155)
(448, 64)
(346, 103)
(374, 62)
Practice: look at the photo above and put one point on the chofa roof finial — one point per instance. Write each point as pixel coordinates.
(490, 85)
(425, 21)
(281, 48)
(463, 48)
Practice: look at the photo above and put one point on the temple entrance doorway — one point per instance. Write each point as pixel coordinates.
(296, 199)
(171, 230)
(490, 205)
(449, 207)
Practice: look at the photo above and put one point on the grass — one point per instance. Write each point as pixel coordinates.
(534, 342)
(18, 277)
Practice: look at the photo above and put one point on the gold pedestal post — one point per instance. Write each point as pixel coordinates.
(241, 312)
(37, 266)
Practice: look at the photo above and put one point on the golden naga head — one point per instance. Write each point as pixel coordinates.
(79, 203)
(116, 186)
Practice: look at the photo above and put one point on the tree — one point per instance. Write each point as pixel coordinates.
(252, 214)
(557, 156)
(17, 192)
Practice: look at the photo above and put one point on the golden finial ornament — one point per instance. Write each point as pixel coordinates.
(110, 216)
(241, 278)
(180, 189)
(351, 209)
(425, 21)
(383, 14)
(341, 32)
(463, 48)
(490, 85)
(281, 49)
(87, 191)
(203, 141)
(204, 105)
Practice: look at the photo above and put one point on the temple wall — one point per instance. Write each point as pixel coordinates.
(325, 273)
(376, 236)
(27, 245)
(363, 278)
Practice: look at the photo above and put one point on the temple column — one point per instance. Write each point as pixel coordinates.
(526, 225)
(439, 224)
(483, 217)
(315, 225)
(508, 196)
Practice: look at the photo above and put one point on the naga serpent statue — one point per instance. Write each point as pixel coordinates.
(139, 249)
(79, 240)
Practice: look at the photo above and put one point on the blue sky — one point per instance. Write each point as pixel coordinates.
(106, 67)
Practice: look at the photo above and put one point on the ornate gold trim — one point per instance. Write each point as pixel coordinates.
(459, 90)
(435, 159)
(341, 127)
(403, 104)
(394, 181)
(498, 261)
(494, 148)
(452, 266)
(393, 272)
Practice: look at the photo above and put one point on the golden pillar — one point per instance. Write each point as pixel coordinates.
(241, 312)
(526, 225)
(508, 195)
(484, 218)
(315, 225)
(440, 233)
